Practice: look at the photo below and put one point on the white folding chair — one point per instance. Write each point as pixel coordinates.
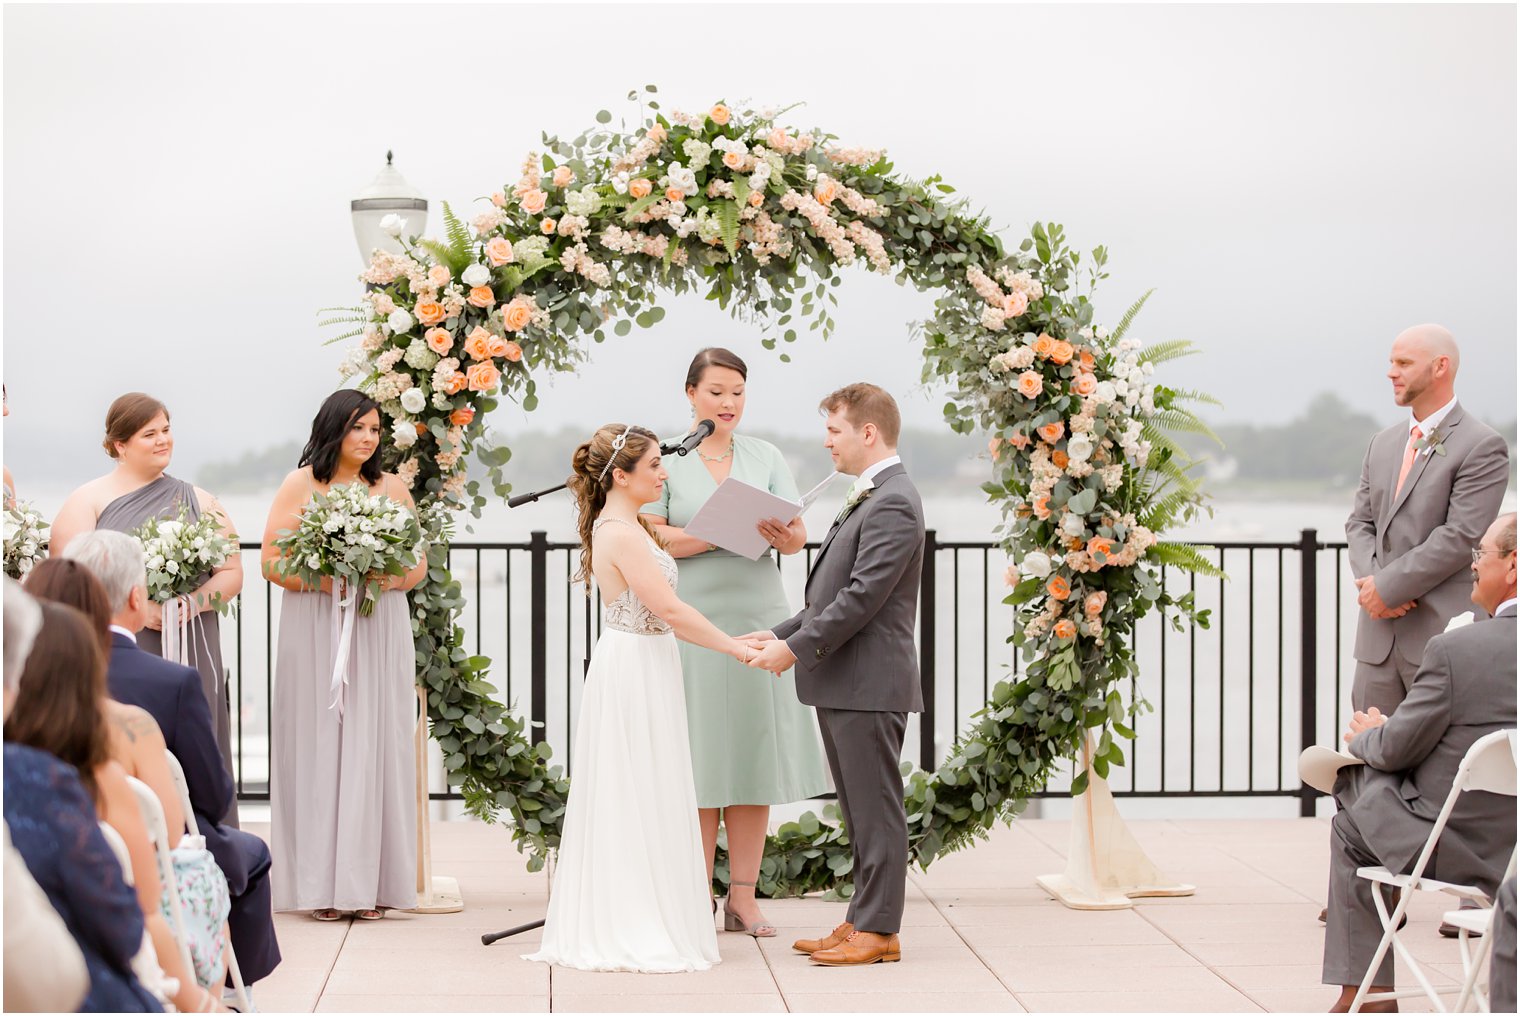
(240, 991)
(145, 962)
(1489, 765)
(158, 832)
(123, 856)
(1469, 924)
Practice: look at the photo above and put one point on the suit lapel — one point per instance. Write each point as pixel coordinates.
(881, 477)
(1422, 459)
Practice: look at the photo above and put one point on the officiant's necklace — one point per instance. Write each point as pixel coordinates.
(716, 458)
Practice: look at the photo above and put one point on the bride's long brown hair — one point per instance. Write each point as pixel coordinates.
(592, 478)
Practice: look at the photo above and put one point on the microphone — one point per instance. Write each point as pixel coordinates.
(684, 445)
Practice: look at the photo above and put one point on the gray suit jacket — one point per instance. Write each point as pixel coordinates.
(1465, 689)
(853, 638)
(1416, 544)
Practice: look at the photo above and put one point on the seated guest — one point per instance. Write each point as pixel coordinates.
(1501, 966)
(44, 969)
(172, 694)
(1464, 689)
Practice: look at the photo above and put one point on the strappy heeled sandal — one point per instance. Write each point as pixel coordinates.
(371, 914)
(327, 914)
(733, 922)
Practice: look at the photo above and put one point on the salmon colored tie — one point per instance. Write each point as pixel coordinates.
(1409, 454)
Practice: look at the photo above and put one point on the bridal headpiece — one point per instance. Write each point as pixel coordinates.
(617, 446)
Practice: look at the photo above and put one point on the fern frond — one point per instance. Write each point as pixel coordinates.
(1162, 441)
(1164, 352)
(460, 245)
(1162, 512)
(440, 251)
(1180, 421)
(1186, 557)
(728, 219)
(1129, 317)
(351, 333)
(1193, 395)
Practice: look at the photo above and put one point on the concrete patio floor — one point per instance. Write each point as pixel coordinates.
(978, 936)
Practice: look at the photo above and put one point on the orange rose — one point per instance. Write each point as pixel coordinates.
(562, 176)
(719, 115)
(1084, 383)
(534, 201)
(992, 446)
(1101, 545)
(1094, 604)
(1064, 629)
(1057, 587)
(499, 251)
(439, 340)
(438, 276)
(462, 416)
(1042, 506)
(733, 160)
(430, 312)
(496, 346)
(483, 377)
(826, 190)
(640, 188)
(1030, 384)
(1060, 459)
(482, 297)
(1088, 361)
(755, 197)
(1062, 352)
(517, 315)
(674, 194)
(454, 384)
(1052, 432)
(420, 428)
(1019, 440)
(478, 344)
(511, 351)
(548, 226)
(1043, 345)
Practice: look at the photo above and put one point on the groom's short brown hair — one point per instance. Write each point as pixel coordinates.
(865, 403)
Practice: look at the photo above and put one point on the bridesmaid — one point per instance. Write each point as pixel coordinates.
(753, 744)
(342, 786)
(139, 439)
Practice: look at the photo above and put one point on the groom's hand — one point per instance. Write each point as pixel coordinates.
(775, 656)
(757, 637)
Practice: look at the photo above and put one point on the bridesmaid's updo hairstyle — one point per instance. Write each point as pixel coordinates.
(593, 463)
(713, 356)
(129, 414)
(328, 429)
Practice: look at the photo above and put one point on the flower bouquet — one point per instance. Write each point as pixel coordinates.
(179, 551)
(353, 537)
(26, 543)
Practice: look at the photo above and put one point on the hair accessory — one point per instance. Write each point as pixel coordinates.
(617, 446)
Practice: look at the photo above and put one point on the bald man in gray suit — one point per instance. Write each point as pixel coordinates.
(1464, 689)
(1429, 486)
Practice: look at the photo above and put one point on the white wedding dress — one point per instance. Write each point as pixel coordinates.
(630, 889)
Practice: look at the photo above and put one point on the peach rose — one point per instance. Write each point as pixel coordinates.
(1052, 432)
(483, 377)
(674, 194)
(733, 160)
(439, 340)
(562, 176)
(499, 251)
(478, 344)
(755, 197)
(1064, 629)
(534, 201)
(1101, 545)
(1057, 587)
(496, 346)
(438, 276)
(462, 416)
(1015, 304)
(1093, 606)
(430, 312)
(511, 351)
(1043, 345)
(640, 188)
(517, 315)
(454, 384)
(499, 199)
(547, 227)
(1042, 506)
(719, 115)
(1062, 352)
(1087, 360)
(482, 297)
(1084, 383)
(1030, 384)
(656, 132)
(992, 446)
(1020, 440)
(826, 190)
(1060, 459)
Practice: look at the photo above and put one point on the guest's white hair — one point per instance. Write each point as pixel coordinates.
(23, 619)
(116, 559)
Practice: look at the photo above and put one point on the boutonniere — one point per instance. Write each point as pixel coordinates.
(856, 496)
(1433, 443)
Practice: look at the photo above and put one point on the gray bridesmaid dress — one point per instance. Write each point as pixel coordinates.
(162, 499)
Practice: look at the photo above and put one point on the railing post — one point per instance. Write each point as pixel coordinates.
(926, 752)
(538, 549)
(1308, 665)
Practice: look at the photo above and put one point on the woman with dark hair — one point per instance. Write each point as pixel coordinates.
(343, 784)
(629, 892)
(753, 744)
(139, 488)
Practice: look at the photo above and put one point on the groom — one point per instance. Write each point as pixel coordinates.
(853, 648)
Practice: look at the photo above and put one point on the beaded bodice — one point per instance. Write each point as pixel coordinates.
(627, 612)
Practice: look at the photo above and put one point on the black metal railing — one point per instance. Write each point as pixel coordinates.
(1233, 705)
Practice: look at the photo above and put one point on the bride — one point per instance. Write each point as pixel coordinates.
(630, 891)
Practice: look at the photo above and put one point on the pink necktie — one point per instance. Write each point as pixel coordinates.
(1409, 454)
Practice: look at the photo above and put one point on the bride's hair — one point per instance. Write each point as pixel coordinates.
(592, 465)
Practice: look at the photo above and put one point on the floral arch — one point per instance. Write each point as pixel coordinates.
(763, 218)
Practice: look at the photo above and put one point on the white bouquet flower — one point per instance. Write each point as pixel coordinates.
(353, 536)
(26, 543)
(180, 551)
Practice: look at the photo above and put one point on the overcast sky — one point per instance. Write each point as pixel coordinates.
(1298, 183)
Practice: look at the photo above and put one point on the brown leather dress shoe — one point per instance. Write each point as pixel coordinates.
(860, 948)
(829, 941)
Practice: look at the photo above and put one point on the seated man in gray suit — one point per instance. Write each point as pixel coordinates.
(1464, 689)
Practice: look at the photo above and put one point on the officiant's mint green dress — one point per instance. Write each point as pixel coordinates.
(752, 741)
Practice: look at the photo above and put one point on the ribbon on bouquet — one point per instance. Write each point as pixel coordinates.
(344, 606)
(184, 637)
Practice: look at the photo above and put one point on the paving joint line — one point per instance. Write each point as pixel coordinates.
(979, 958)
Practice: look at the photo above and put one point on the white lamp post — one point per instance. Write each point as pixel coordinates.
(388, 194)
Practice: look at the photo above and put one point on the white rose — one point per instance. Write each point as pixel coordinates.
(683, 178)
(172, 567)
(1036, 563)
(476, 275)
(393, 224)
(1105, 392)
(620, 183)
(1072, 525)
(1079, 448)
(168, 530)
(762, 172)
(400, 321)
(1121, 389)
(313, 561)
(1148, 368)
(404, 434)
(413, 401)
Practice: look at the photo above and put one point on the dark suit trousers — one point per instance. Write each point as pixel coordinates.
(251, 921)
(863, 749)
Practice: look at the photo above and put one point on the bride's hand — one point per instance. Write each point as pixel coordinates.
(742, 651)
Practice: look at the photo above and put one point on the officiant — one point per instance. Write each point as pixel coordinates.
(753, 744)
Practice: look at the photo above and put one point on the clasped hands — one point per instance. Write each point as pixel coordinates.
(767, 652)
(1361, 721)
(1371, 601)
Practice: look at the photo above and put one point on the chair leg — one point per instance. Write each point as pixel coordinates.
(239, 990)
(1391, 940)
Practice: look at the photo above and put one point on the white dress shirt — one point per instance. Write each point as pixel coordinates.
(868, 475)
(119, 630)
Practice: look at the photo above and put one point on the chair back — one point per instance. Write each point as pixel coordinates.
(1489, 764)
(178, 772)
(158, 831)
(119, 848)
